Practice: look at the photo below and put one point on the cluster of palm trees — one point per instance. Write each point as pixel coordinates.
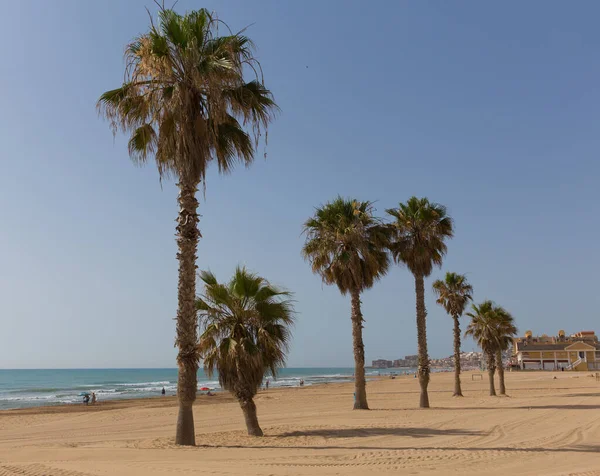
(348, 246)
(493, 328)
(187, 102)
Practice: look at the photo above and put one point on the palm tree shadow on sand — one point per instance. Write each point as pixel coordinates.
(507, 449)
(333, 433)
(574, 406)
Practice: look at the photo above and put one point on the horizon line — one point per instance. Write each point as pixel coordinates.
(147, 368)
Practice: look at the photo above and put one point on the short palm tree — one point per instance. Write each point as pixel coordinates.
(484, 330)
(347, 246)
(454, 293)
(420, 231)
(506, 330)
(186, 102)
(245, 334)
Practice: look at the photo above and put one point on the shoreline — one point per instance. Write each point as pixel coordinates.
(36, 388)
(158, 401)
(223, 396)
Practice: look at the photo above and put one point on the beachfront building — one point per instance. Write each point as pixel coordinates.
(580, 351)
(407, 361)
(381, 364)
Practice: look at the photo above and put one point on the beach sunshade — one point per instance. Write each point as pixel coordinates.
(83, 394)
(204, 389)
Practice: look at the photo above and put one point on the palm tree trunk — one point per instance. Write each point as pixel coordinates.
(491, 362)
(360, 391)
(500, 368)
(457, 389)
(249, 410)
(423, 369)
(186, 327)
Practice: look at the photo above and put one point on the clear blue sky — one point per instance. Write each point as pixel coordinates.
(489, 108)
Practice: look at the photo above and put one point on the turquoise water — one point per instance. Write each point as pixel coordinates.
(30, 388)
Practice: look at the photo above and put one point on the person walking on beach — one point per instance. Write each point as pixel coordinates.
(267, 385)
(163, 391)
(93, 398)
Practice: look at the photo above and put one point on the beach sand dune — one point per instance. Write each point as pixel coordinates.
(545, 426)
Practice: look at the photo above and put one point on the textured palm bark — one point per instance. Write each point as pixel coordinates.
(423, 370)
(249, 409)
(360, 391)
(457, 389)
(186, 324)
(500, 367)
(491, 362)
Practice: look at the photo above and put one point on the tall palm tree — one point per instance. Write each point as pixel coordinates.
(186, 102)
(483, 328)
(246, 331)
(506, 330)
(421, 229)
(454, 293)
(347, 246)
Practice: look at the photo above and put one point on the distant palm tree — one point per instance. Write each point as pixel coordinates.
(484, 330)
(246, 332)
(421, 229)
(186, 102)
(454, 293)
(347, 246)
(506, 330)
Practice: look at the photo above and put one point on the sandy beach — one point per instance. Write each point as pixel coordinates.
(545, 426)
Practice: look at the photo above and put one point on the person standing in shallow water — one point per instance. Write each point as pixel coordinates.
(163, 391)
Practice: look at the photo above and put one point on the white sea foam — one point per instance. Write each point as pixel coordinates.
(65, 387)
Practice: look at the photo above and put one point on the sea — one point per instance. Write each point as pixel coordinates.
(32, 388)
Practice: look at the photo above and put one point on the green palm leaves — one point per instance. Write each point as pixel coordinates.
(245, 329)
(346, 245)
(491, 326)
(453, 293)
(185, 99)
(421, 229)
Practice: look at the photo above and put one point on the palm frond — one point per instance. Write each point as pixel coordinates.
(172, 28)
(142, 143)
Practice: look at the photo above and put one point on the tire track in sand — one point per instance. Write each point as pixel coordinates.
(393, 460)
(37, 470)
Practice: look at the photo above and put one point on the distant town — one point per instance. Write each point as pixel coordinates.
(468, 361)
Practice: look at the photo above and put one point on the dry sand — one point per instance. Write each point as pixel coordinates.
(546, 426)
